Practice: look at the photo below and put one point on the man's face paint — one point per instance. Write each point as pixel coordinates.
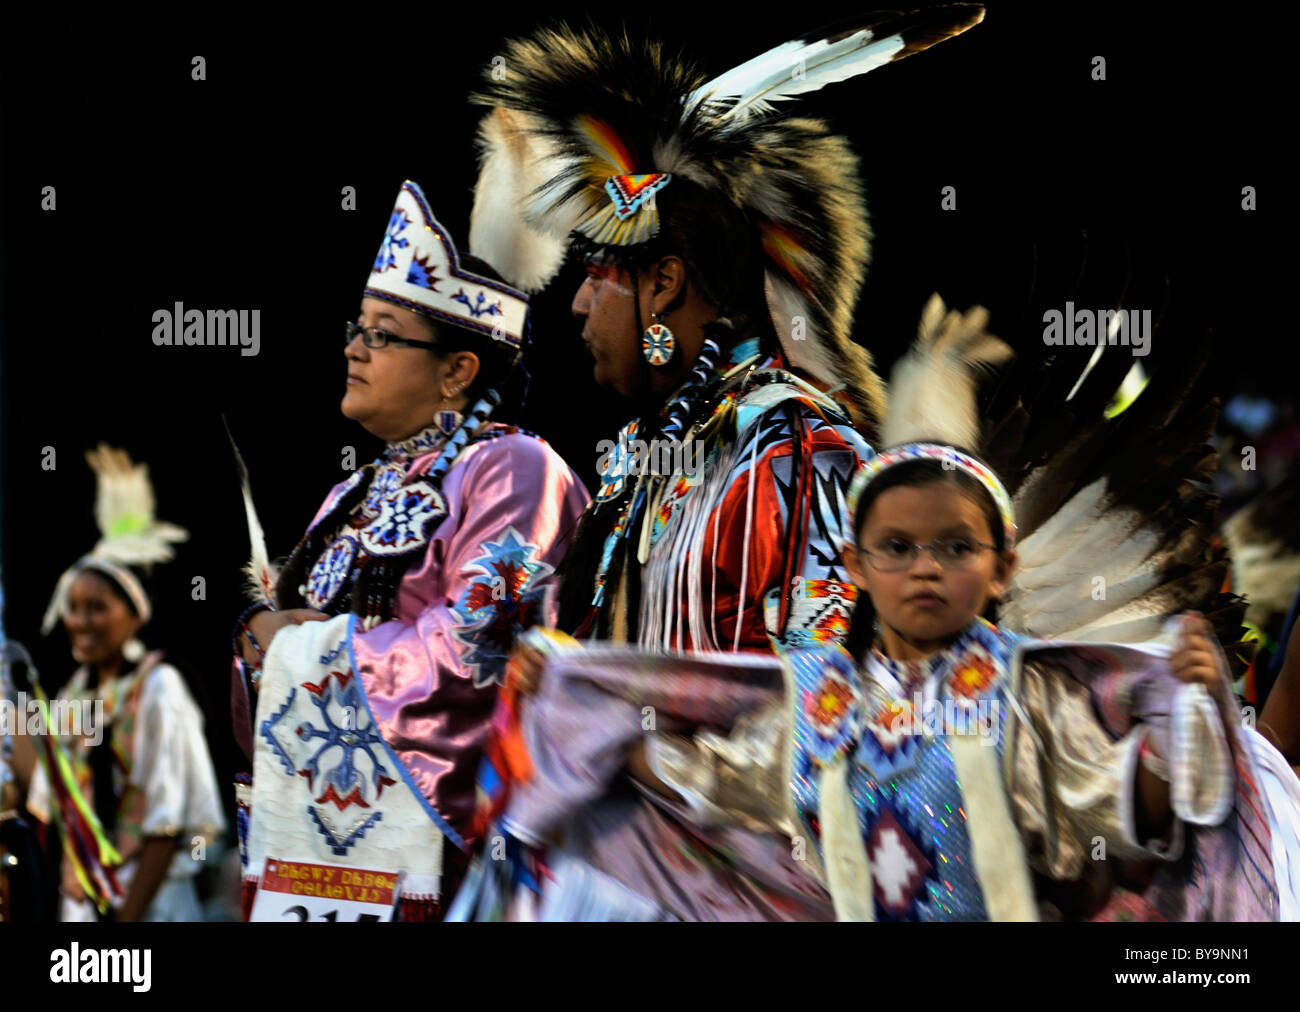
(605, 302)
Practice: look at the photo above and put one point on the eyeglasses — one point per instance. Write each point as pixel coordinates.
(373, 337)
(893, 555)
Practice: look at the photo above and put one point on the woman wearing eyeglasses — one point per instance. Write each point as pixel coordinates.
(377, 654)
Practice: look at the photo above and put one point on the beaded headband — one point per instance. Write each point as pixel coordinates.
(120, 575)
(952, 459)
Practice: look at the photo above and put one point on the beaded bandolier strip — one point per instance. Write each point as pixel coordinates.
(694, 400)
(704, 414)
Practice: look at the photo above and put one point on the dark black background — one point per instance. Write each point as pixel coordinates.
(226, 193)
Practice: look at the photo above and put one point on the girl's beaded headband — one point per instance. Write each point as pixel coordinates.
(951, 458)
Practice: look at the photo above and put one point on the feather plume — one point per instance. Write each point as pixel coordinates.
(608, 106)
(827, 56)
(1264, 537)
(130, 534)
(260, 575)
(513, 162)
(932, 388)
(1115, 508)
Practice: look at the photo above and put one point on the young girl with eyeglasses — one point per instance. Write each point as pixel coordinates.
(936, 766)
(934, 763)
(1094, 754)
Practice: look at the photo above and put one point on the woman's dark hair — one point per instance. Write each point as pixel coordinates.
(116, 587)
(914, 473)
(499, 365)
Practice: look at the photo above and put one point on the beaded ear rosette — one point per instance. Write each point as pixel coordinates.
(952, 459)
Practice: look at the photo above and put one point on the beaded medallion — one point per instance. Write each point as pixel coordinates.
(330, 573)
(406, 516)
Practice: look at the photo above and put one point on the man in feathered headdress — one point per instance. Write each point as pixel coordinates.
(725, 245)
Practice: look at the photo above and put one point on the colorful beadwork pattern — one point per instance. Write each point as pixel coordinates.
(629, 193)
(480, 306)
(658, 344)
(397, 224)
(617, 463)
(331, 743)
(387, 480)
(421, 443)
(950, 457)
(499, 605)
(671, 504)
(406, 516)
(834, 714)
(422, 273)
(973, 672)
(330, 573)
(820, 611)
(903, 783)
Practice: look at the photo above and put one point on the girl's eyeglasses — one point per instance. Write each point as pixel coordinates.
(894, 554)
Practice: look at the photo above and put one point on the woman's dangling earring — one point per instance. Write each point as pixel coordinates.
(133, 650)
(658, 342)
(447, 421)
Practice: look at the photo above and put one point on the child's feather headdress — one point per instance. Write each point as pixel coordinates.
(130, 533)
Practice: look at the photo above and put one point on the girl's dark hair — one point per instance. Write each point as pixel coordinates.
(914, 473)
